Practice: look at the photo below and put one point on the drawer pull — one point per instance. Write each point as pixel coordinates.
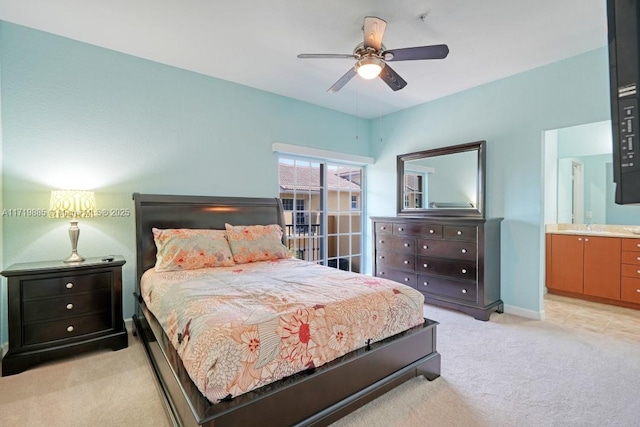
(381, 273)
(464, 291)
(406, 262)
(70, 328)
(638, 271)
(406, 279)
(425, 247)
(425, 265)
(464, 271)
(381, 241)
(406, 245)
(638, 245)
(459, 233)
(400, 228)
(381, 256)
(464, 251)
(383, 228)
(638, 258)
(638, 291)
(69, 306)
(69, 285)
(427, 284)
(431, 231)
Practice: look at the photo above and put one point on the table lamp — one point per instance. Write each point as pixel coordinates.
(73, 204)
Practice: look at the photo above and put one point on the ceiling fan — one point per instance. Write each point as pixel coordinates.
(372, 56)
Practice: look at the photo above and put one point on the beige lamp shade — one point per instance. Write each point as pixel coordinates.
(72, 204)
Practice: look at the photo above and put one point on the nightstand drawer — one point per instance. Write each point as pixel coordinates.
(71, 305)
(52, 286)
(37, 333)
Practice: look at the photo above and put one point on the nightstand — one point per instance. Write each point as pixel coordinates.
(58, 309)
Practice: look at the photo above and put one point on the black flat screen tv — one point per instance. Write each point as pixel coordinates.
(624, 72)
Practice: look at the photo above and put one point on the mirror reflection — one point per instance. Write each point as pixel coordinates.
(446, 181)
(583, 191)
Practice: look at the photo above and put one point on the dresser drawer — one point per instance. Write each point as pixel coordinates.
(384, 228)
(630, 257)
(443, 287)
(411, 229)
(71, 305)
(396, 243)
(448, 249)
(405, 277)
(454, 232)
(396, 260)
(629, 270)
(630, 290)
(465, 270)
(38, 333)
(632, 245)
(63, 285)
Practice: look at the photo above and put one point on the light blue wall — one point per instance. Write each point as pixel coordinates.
(511, 115)
(75, 115)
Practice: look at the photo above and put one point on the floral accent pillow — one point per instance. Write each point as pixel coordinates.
(190, 249)
(250, 243)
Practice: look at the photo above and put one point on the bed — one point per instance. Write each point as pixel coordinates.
(314, 397)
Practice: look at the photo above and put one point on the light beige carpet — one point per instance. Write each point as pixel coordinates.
(506, 372)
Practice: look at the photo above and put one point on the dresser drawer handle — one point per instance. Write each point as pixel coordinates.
(459, 233)
(406, 279)
(425, 247)
(464, 251)
(69, 285)
(381, 256)
(464, 291)
(381, 241)
(383, 228)
(425, 265)
(381, 273)
(406, 245)
(431, 231)
(406, 262)
(400, 228)
(427, 284)
(69, 306)
(464, 271)
(70, 328)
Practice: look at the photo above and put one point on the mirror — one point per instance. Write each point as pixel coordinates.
(447, 181)
(579, 187)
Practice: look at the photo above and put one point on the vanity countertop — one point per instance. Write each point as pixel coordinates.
(602, 230)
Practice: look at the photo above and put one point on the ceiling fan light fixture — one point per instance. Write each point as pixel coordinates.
(369, 68)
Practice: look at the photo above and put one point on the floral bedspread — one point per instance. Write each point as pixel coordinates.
(239, 328)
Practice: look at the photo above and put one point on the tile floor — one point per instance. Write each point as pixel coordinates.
(611, 320)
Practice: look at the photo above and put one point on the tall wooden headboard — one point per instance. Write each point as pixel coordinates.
(202, 212)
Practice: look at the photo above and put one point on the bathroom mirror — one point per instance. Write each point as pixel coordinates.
(446, 181)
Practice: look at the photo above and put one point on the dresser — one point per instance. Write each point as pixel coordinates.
(454, 262)
(57, 309)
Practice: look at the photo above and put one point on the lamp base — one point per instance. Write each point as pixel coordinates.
(74, 257)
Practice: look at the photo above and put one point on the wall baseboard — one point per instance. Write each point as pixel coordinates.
(523, 312)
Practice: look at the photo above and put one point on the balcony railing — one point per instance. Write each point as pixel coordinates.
(304, 241)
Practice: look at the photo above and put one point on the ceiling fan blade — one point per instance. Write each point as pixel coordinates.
(437, 51)
(326, 55)
(373, 31)
(342, 81)
(391, 78)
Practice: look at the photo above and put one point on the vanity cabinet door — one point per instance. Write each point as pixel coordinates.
(567, 264)
(602, 267)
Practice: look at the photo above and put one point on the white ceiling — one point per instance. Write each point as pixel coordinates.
(255, 42)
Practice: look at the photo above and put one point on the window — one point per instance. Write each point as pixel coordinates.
(413, 190)
(326, 224)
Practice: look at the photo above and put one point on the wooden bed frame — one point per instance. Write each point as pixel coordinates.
(312, 398)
